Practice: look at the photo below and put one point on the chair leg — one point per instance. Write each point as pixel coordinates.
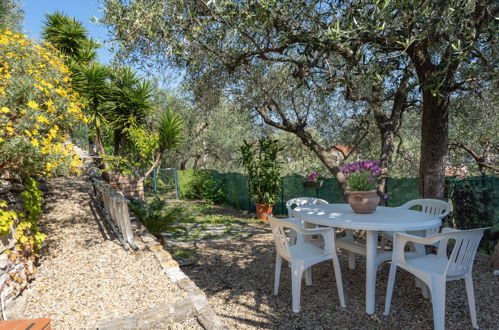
(471, 300)
(437, 288)
(296, 276)
(308, 276)
(389, 289)
(277, 278)
(339, 281)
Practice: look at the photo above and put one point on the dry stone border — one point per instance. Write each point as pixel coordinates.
(194, 305)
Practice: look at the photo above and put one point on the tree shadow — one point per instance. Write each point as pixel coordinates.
(237, 276)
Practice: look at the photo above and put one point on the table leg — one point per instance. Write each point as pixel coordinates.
(351, 255)
(371, 252)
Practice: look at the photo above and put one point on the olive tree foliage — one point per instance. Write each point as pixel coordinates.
(474, 135)
(214, 135)
(385, 56)
(11, 15)
(284, 87)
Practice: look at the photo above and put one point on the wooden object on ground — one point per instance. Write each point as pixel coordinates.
(35, 324)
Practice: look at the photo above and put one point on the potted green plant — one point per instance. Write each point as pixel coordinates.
(362, 179)
(313, 181)
(260, 163)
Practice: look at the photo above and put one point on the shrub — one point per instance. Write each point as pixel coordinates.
(156, 217)
(206, 187)
(28, 234)
(475, 204)
(37, 109)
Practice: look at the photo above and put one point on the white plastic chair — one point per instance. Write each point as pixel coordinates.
(301, 201)
(436, 269)
(302, 256)
(430, 206)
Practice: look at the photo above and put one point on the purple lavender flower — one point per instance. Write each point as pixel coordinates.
(385, 196)
(369, 179)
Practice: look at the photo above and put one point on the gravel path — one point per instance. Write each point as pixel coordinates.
(85, 275)
(237, 276)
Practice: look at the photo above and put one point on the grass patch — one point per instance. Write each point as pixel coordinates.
(188, 254)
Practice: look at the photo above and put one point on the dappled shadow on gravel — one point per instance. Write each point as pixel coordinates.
(85, 276)
(70, 203)
(237, 276)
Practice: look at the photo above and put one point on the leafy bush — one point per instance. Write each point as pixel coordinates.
(206, 187)
(27, 232)
(156, 217)
(37, 109)
(475, 206)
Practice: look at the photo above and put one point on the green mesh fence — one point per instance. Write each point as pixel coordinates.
(475, 200)
(238, 190)
(401, 191)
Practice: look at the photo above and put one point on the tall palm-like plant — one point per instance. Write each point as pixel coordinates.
(70, 37)
(130, 103)
(92, 81)
(170, 129)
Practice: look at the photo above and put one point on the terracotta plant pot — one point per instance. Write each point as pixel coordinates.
(262, 209)
(363, 202)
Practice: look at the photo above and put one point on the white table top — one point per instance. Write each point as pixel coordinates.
(383, 219)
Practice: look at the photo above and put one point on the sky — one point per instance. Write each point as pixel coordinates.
(82, 10)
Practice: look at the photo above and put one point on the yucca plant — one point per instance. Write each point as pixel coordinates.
(70, 37)
(92, 81)
(130, 102)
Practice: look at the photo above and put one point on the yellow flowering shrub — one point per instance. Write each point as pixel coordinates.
(37, 108)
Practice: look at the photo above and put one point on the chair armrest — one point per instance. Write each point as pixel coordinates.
(401, 239)
(326, 233)
(404, 238)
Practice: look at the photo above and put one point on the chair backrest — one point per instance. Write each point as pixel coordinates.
(431, 206)
(280, 238)
(302, 201)
(464, 250)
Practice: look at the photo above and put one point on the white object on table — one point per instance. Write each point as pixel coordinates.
(302, 256)
(437, 269)
(384, 219)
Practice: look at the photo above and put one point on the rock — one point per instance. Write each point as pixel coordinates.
(9, 198)
(17, 187)
(4, 261)
(5, 186)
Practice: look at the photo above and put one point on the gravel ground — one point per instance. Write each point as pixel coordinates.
(237, 276)
(85, 275)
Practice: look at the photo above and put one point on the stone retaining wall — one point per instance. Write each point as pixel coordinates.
(13, 271)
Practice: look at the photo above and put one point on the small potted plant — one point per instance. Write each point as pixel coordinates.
(260, 163)
(362, 177)
(313, 181)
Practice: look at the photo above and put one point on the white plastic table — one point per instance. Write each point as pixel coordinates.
(384, 219)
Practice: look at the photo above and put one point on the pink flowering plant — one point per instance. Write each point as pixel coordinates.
(314, 177)
(362, 175)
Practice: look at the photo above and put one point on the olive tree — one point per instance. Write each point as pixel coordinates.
(387, 55)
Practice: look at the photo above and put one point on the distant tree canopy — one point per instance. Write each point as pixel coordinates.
(384, 56)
